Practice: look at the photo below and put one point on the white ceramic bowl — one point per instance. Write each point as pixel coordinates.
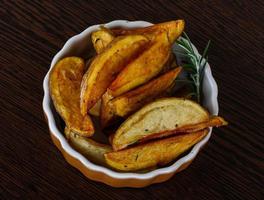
(75, 46)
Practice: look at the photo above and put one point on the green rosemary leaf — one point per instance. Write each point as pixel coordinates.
(189, 67)
(180, 53)
(180, 42)
(195, 64)
(189, 41)
(203, 68)
(185, 48)
(205, 51)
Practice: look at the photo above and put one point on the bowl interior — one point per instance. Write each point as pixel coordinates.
(80, 45)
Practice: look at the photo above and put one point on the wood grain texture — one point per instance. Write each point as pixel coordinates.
(231, 166)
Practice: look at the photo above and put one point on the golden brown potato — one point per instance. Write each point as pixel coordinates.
(101, 39)
(143, 68)
(174, 29)
(214, 121)
(155, 153)
(159, 116)
(107, 113)
(65, 81)
(135, 99)
(95, 110)
(106, 66)
(94, 151)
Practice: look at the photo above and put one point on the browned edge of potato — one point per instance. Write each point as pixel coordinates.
(101, 39)
(64, 83)
(144, 67)
(154, 153)
(106, 66)
(174, 29)
(135, 99)
(214, 121)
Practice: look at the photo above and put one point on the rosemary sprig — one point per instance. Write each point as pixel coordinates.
(195, 64)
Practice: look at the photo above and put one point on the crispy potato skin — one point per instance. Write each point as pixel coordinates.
(174, 29)
(144, 68)
(155, 153)
(158, 116)
(65, 81)
(101, 39)
(94, 151)
(106, 66)
(214, 121)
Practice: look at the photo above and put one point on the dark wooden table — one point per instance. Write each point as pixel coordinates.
(31, 32)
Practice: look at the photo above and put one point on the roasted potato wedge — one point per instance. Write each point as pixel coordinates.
(214, 121)
(101, 39)
(143, 68)
(94, 151)
(174, 29)
(159, 116)
(135, 99)
(155, 153)
(106, 66)
(65, 81)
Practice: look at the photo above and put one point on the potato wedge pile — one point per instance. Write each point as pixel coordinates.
(129, 80)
